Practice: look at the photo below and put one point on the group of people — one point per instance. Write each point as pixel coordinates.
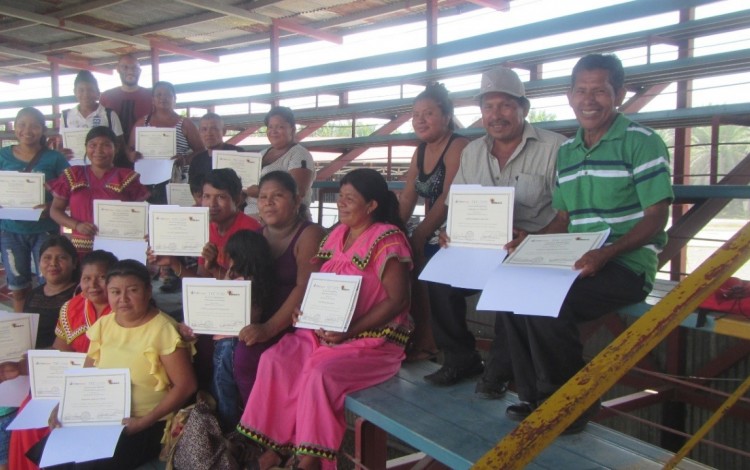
(282, 387)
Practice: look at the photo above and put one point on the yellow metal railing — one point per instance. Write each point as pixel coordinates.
(542, 426)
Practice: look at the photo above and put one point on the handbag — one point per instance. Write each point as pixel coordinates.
(732, 297)
(199, 444)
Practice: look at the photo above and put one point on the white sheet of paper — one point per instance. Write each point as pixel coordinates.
(216, 307)
(20, 214)
(68, 444)
(77, 162)
(154, 171)
(480, 217)
(95, 397)
(462, 267)
(21, 190)
(17, 335)
(177, 231)
(329, 301)
(559, 250)
(526, 290)
(35, 414)
(47, 371)
(14, 392)
(178, 194)
(246, 164)
(121, 220)
(75, 140)
(123, 249)
(156, 142)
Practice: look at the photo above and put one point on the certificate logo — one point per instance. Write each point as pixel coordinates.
(18, 325)
(231, 293)
(495, 201)
(113, 382)
(194, 219)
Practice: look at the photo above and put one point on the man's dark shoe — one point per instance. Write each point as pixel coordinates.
(490, 390)
(520, 411)
(449, 375)
(579, 424)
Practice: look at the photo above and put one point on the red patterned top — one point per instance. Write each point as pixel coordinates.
(76, 316)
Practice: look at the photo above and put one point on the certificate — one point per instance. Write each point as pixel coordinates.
(21, 190)
(560, 250)
(95, 397)
(17, 335)
(178, 231)
(121, 220)
(75, 140)
(329, 302)
(480, 217)
(178, 194)
(156, 142)
(246, 164)
(47, 371)
(216, 307)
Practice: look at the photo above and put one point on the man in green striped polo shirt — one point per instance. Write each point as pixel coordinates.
(613, 174)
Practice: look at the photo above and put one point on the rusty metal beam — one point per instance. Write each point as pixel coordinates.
(349, 156)
(229, 10)
(709, 424)
(236, 139)
(542, 426)
(294, 27)
(310, 127)
(499, 5)
(79, 64)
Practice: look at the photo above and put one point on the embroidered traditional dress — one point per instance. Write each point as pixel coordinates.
(79, 186)
(297, 403)
(76, 316)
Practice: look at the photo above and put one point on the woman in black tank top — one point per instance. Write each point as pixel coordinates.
(430, 174)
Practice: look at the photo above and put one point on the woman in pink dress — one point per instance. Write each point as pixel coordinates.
(297, 404)
(79, 185)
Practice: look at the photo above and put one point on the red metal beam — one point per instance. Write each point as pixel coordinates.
(236, 139)
(499, 5)
(12, 81)
(349, 156)
(642, 98)
(294, 27)
(165, 46)
(79, 64)
(309, 129)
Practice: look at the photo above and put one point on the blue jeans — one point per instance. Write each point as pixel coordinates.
(223, 386)
(18, 249)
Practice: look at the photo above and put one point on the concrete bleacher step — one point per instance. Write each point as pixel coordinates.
(456, 428)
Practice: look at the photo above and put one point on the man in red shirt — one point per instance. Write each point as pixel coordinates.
(130, 101)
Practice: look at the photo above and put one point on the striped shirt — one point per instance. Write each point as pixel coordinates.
(610, 185)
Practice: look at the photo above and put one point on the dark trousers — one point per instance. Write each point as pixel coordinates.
(545, 351)
(452, 335)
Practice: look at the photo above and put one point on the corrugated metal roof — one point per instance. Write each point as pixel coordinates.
(31, 30)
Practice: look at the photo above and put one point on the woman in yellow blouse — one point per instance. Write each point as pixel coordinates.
(137, 335)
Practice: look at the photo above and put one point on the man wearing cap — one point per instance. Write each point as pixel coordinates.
(513, 153)
(614, 174)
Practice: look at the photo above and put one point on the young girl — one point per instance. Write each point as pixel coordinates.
(249, 259)
(22, 240)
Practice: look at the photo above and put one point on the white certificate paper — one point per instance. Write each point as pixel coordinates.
(480, 217)
(75, 140)
(21, 190)
(156, 142)
(246, 164)
(178, 231)
(47, 371)
(216, 307)
(17, 335)
(121, 220)
(94, 396)
(178, 194)
(329, 301)
(559, 250)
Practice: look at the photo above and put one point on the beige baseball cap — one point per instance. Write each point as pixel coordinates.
(501, 80)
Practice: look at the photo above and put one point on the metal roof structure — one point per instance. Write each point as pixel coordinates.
(92, 34)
